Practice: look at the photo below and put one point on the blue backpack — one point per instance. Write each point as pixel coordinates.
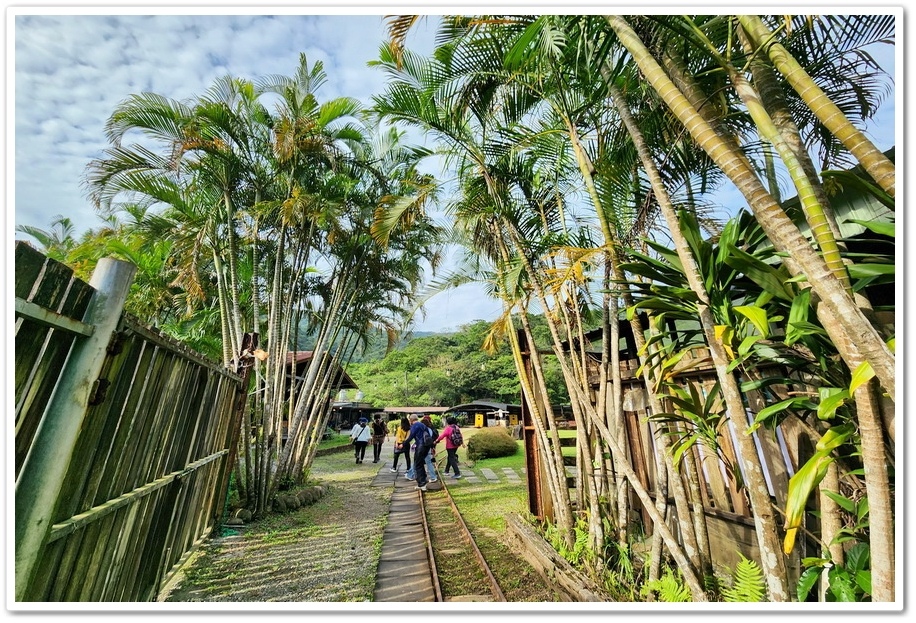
(429, 438)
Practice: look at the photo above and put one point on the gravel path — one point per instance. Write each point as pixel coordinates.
(325, 552)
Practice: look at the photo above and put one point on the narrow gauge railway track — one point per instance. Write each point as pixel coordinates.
(452, 552)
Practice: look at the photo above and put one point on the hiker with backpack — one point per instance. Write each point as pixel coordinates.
(422, 437)
(431, 455)
(453, 440)
(360, 435)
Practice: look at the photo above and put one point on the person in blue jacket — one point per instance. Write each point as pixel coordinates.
(419, 435)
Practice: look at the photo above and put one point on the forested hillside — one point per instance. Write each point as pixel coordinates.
(446, 369)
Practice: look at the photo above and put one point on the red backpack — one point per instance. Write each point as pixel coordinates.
(455, 436)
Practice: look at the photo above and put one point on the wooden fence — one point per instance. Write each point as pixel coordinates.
(124, 439)
(728, 515)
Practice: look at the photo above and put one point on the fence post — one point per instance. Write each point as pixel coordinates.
(48, 460)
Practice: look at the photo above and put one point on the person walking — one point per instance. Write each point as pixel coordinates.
(454, 439)
(360, 435)
(379, 436)
(400, 448)
(431, 455)
(421, 434)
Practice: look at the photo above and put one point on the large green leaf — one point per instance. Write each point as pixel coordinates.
(808, 476)
(519, 53)
(772, 279)
(862, 271)
(878, 227)
(757, 316)
(767, 412)
(842, 586)
(801, 306)
(860, 376)
(806, 582)
(831, 399)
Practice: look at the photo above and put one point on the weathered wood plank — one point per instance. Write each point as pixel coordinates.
(576, 586)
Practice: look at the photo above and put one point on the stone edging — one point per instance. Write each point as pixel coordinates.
(333, 450)
(550, 565)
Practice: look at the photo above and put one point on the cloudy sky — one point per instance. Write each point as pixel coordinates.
(71, 70)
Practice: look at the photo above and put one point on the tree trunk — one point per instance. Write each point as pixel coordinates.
(872, 159)
(851, 323)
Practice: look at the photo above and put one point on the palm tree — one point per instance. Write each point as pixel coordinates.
(856, 338)
(252, 201)
(55, 242)
(518, 250)
(833, 118)
(868, 409)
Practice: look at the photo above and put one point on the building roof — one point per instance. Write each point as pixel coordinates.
(415, 409)
(489, 405)
(300, 358)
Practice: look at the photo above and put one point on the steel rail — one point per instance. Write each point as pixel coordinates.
(494, 585)
(437, 588)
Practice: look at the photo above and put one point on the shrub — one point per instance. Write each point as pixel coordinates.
(490, 443)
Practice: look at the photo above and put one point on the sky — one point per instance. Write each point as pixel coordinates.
(70, 69)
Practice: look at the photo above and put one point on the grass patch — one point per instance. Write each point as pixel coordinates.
(484, 509)
(334, 441)
(516, 462)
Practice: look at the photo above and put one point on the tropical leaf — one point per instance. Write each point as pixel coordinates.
(860, 376)
(757, 316)
(772, 279)
(798, 314)
(808, 580)
(877, 227)
(831, 399)
(809, 475)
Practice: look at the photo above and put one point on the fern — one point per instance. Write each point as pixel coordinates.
(748, 586)
(670, 587)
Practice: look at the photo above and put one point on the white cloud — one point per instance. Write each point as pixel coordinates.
(72, 69)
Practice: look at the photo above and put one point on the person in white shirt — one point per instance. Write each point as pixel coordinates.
(360, 435)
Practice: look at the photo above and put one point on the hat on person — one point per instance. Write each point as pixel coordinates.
(363, 420)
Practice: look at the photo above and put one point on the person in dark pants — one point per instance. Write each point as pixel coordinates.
(360, 434)
(399, 447)
(431, 455)
(451, 446)
(379, 435)
(419, 433)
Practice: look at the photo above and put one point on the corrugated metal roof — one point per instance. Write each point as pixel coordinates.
(415, 409)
